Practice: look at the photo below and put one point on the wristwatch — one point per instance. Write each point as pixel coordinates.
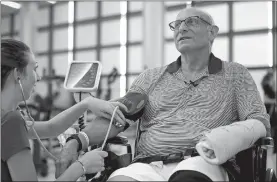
(76, 137)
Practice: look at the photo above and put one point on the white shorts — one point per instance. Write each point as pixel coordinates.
(157, 171)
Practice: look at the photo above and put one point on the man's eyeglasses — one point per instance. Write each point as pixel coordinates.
(192, 21)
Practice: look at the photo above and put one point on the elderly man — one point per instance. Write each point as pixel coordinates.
(194, 94)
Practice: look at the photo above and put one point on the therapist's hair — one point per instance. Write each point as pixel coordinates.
(14, 54)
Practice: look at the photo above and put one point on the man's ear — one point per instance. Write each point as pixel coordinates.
(213, 30)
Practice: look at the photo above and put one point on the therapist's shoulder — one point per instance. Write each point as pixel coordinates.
(12, 118)
(14, 135)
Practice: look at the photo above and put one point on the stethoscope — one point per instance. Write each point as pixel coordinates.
(31, 124)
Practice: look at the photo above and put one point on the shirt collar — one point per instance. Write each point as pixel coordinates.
(215, 65)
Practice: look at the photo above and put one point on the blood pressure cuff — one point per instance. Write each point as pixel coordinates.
(135, 103)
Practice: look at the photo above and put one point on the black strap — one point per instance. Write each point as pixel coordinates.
(76, 137)
(170, 158)
(127, 125)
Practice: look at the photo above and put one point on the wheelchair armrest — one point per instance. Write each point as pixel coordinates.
(118, 140)
(265, 141)
(119, 145)
(120, 155)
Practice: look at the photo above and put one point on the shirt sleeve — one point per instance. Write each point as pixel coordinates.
(142, 83)
(13, 136)
(249, 102)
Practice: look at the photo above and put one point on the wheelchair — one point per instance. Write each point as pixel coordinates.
(252, 161)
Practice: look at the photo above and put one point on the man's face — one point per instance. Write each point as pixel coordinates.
(192, 37)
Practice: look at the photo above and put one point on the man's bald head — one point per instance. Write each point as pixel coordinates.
(188, 12)
(194, 33)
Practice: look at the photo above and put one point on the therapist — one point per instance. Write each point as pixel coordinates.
(18, 78)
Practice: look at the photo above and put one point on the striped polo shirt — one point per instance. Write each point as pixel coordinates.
(179, 112)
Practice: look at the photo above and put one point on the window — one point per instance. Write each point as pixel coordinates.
(171, 53)
(131, 80)
(60, 63)
(110, 32)
(17, 22)
(86, 55)
(60, 39)
(42, 41)
(253, 50)
(41, 88)
(5, 24)
(221, 48)
(61, 13)
(42, 65)
(135, 6)
(174, 3)
(115, 89)
(135, 59)
(169, 17)
(110, 59)
(86, 35)
(220, 15)
(97, 37)
(251, 15)
(43, 17)
(258, 76)
(86, 10)
(135, 29)
(110, 8)
(10, 25)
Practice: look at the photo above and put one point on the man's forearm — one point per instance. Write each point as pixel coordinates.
(97, 130)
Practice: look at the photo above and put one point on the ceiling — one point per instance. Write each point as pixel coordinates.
(6, 10)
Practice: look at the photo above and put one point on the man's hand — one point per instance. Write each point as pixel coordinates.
(208, 152)
(68, 155)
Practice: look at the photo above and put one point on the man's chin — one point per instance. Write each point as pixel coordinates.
(185, 47)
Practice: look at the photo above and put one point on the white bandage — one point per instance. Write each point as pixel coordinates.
(227, 141)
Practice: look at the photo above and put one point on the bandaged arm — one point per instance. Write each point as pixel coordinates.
(253, 121)
(227, 141)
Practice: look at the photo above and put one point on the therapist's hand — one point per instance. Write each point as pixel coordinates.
(105, 109)
(68, 155)
(94, 161)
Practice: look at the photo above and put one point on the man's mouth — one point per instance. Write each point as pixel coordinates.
(184, 38)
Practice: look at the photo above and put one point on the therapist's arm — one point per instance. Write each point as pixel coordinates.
(65, 119)
(96, 131)
(60, 123)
